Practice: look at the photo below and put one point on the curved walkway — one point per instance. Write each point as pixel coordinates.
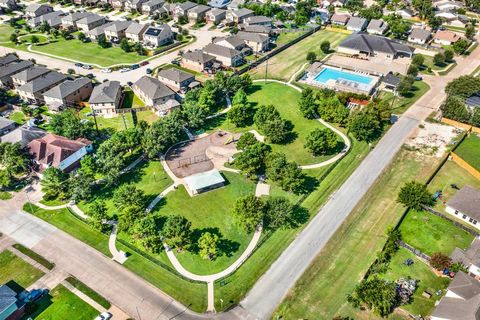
(117, 255)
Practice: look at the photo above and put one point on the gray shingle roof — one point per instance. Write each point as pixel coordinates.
(152, 3)
(187, 5)
(340, 18)
(33, 7)
(377, 25)
(14, 67)
(175, 74)
(254, 37)
(420, 34)
(198, 56)
(5, 123)
(118, 26)
(23, 135)
(106, 92)
(215, 49)
(31, 73)
(43, 82)
(241, 12)
(159, 31)
(217, 11)
(90, 19)
(72, 17)
(152, 88)
(9, 58)
(356, 22)
(66, 88)
(52, 18)
(135, 28)
(391, 79)
(467, 201)
(256, 28)
(99, 30)
(469, 256)
(372, 43)
(199, 9)
(232, 40)
(258, 19)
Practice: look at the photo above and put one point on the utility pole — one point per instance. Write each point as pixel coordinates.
(266, 71)
(124, 122)
(96, 124)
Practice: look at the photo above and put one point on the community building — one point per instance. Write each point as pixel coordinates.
(361, 44)
(204, 181)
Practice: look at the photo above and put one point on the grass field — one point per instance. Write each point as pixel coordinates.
(212, 213)
(286, 37)
(427, 280)
(117, 123)
(61, 303)
(283, 65)
(401, 104)
(19, 117)
(89, 292)
(130, 100)
(354, 247)
(469, 150)
(5, 32)
(17, 273)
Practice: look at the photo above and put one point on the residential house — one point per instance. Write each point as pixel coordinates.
(95, 33)
(473, 102)
(448, 5)
(465, 205)
(53, 19)
(215, 16)
(227, 56)
(257, 21)
(155, 94)
(219, 4)
(11, 307)
(176, 78)
(6, 125)
(265, 30)
(8, 58)
(158, 36)
(339, 19)
(197, 60)
(181, 9)
(334, 3)
(36, 10)
(29, 74)
(405, 13)
(134, 5)
(470, 258)
(118, 4)
(235, 4)
(7, 71)
(33, 91)
(106, 98)
(70, 21)
(232, 42)
(238, 16)
(23, 135)
(58, 152)
(377, 26)
(8, 5)
(446, 37)
(68, 94)
(169, 8)
(462, 300)
(197, 13)
(356, 24)
(420, 36)
(90, 22)
(135, 31)
(256, 41)
(79, 2)
(453, 19)
(361, 44)
(116, 31)
(390, 82)
(149, 7)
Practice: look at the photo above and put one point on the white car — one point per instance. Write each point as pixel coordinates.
(106, 70)
(220, 26)
(124, 69)
(104, 316)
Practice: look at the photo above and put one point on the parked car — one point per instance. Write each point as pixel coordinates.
(135, 66)
(175, 62)
(87, 66)
(36, 294)
(79, 65)
(144, 63)
(220, 26)
(90, 76)
(106, 70)
(148, 71)
(124, 70)
(104, 316)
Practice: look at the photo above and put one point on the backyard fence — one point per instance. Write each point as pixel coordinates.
(127, 110)
(413, 250)
(456, 223)
(465, 165)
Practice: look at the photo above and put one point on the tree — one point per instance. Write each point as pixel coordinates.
(14, 161)
(424, 7)
(311, 57)
(34, 39)
(418, 60)
(246, 140)
(102, 41)
(208, 245)
(162, 134)
(440, 261)
(372, 12)
(139, 49)
(375, 294)
(475, 119)
(278, 212)
(397, 25)
(128, 195)
(249, 212)
(268, 121)
(439, 59)
(325, 46)
(353, 6)
(68, 124)
(434, 22)
(460, 46)
(81, 187)
(129, 216)
(124, 45)
(412, 70)
(54, 183)
(88, 167)
(405, 85)
(364, 126)
(81, 36)
(252, 159)
(448, 55)
(470, 31)
(240, 113)
(97, 212)
(321, 141)
(415, 194)
(307, 104)
(454, 108)
(14, 37)
(286, 174)
(331, 109)
(194, 116)
(146, 233)
(464, 86)
(177, 232)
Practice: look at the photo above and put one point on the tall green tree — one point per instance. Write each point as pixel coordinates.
(415, 194)
(249, 212)
(127, 195)
(321, 141)
(55, 183)
(97, 212)
(364, 126)
(307, 104)
(177, 232)
(375, 294)
(146, 233)
(208, 245)
(68, 124)
(252, 159)
(278, 212)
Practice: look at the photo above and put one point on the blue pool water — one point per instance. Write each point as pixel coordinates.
(329, 74)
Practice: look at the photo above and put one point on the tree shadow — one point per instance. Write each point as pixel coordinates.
(253, 88)
(12, 284)
(228, 247)
(299, 217)
(310, 184)
(225, 246)
(33, 309)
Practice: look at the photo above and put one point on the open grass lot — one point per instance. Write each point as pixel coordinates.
(117, 123)
(61, 303)
(211, 211)
(286, 63)
(235, 286)
(5, 32)
(148, 176)
(354, 247)
(285, 99)
(286, 37)
(189, 293)
(17, 273)
(430, 233)
(427, 280)
(469, 150)
(401, 104)
(428, 63)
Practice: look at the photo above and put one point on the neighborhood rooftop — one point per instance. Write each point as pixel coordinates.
(467, 201)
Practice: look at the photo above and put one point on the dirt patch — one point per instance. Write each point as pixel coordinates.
(432, 138)
(202, 154)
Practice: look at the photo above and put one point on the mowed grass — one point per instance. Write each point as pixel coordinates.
(5, 32)
(401, 104)
(61, 303)
(469, 150)
(118, 123)
(321, 291)
(430, 233)
(211, 211)
(17, 273)
(283, 65)
(427, 280)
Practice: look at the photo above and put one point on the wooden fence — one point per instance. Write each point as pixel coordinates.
(473, 232)
(413, 250)
(465, 165)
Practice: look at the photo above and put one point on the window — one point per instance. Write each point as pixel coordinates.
(470, 220)
(456, 211)
(464, 216)
(474, 221)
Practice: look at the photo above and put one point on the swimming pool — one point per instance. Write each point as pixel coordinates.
(334, 74)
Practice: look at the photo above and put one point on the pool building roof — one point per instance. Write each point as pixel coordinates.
(204, 181)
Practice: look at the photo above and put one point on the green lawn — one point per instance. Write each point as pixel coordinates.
(130, 100)
(16, 272)
(117, 123)
(427, 280)
(401, 104)
(469, 150)
(353, 248)
(4, 195)
(283, 65)
(430, 233)
(5, 32)
(148, 176)
(212, 213)
(286, 37)
(61, 303)
(89, 292)
(428, 63)
(19, 117)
